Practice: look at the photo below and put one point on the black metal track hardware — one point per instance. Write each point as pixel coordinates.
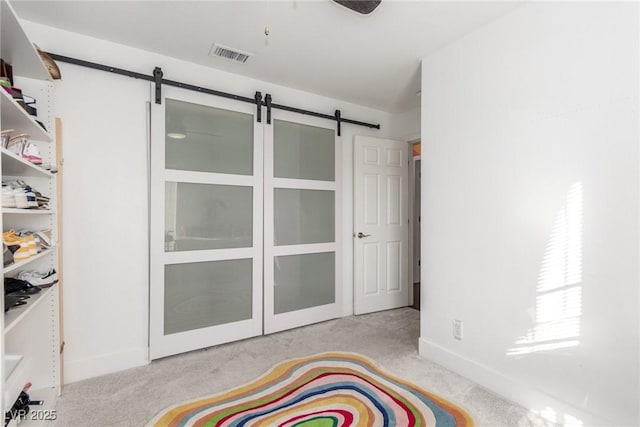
(157, 76)
(258, 99)
(200, 89)
(337, 117)
(158, 79)
(267, 102)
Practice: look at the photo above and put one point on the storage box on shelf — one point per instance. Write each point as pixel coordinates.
(30, 343)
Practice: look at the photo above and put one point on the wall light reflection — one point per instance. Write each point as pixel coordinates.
(559, 292)
(562, 420)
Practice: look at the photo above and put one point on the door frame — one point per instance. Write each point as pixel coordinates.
(283, 321)
(161, 345)
(413, 222)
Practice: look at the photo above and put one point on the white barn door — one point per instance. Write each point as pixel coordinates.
(206, 222)
(302, 251)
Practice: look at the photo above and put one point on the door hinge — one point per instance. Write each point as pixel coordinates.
(62, 347)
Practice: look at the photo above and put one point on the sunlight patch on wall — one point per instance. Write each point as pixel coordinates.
(558, 306)
(562, 420)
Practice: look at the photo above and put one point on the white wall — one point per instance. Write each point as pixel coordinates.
(530, 193)
(105, 191)
(406, 125)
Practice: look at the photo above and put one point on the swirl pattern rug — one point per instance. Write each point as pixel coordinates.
(325, 390)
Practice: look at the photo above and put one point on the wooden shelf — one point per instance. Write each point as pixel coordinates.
(15, 117)
(16, 314)
(16, 211)
(20, 264)
(12, 165)
(17, 50)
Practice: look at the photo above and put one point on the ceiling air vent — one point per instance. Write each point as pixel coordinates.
(229, 53)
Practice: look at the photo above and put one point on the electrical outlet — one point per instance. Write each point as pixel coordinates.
(457, 329)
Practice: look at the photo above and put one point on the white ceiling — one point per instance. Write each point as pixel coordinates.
(314, 45)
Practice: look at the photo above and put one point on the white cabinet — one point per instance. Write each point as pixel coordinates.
(30, 344)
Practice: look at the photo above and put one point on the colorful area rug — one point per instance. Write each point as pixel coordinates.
(325, 390)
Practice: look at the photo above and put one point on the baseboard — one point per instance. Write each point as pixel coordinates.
(511, 389)
(83, 369)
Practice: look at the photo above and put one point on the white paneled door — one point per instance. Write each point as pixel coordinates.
(381, 224)
(302, 251)
(206, 222)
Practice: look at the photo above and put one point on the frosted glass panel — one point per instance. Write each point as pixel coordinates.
(202, 294)
(207, 216)
(207, 139)
(303, 281)
(303, 152)
(304, 216)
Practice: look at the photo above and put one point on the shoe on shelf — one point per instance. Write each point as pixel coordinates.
(46, 238)
(31, 153)
(7, 255)
(11, 238)
(32, 242)
(24, 196)
(14, 301)
(43, 201)
(8, 199)
(15, 286)
(16, 143)
(21, 247)
(21, 198)
(39, 279)
(32, 202)
(22, 253)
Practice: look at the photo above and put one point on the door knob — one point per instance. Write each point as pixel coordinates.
(361, 235)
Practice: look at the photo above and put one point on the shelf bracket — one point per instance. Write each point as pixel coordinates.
(157, 77)
(258, 98)
(267, 102)
(338, 120)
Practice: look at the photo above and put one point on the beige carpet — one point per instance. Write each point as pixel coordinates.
(133, 397)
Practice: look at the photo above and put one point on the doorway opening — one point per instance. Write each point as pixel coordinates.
(415, 217)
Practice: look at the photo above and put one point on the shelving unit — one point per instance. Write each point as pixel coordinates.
(30, 344)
